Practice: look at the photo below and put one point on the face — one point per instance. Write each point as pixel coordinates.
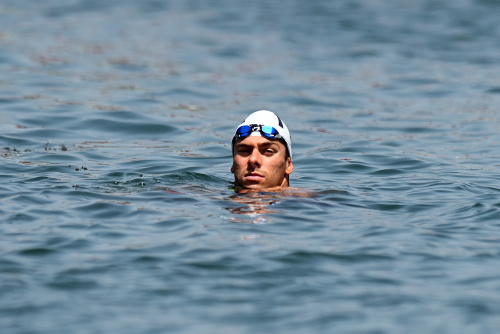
(260, 163)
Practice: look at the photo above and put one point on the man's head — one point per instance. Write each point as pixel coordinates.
(262, 152)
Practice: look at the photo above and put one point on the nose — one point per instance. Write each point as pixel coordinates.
(255, 158)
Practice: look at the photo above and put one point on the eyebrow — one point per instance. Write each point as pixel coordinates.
(265, 144)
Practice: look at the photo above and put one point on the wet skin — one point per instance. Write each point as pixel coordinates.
(260, 163)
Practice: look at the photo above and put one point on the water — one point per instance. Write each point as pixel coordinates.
(117, 214)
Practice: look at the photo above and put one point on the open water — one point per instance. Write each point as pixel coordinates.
(117, 214)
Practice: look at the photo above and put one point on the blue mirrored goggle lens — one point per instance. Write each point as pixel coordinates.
(269, 131)
(243, 131)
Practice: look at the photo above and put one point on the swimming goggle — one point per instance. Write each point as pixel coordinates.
(266, 130)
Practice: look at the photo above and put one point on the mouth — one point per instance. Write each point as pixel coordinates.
(253, 176)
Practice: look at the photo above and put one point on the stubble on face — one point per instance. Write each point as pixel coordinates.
(260, 163)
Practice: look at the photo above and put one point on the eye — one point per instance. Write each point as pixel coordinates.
(270, 151)
(243, 150)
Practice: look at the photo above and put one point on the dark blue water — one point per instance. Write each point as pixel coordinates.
(117, 214)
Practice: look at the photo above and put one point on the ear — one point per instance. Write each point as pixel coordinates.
(289, 166)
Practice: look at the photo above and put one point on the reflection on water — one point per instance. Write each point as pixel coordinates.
(256, 205)
(260, 206)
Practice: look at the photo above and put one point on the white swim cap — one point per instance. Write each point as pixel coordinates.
(267, 118)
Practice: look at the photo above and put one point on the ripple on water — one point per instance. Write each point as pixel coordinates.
(120, 128)
(105, 210)
(46, 134)
(36, 251)
(14, 141)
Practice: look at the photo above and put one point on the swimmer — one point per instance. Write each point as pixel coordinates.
(262, 153)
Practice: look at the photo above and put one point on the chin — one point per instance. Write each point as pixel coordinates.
(253, 186)
(257, 187)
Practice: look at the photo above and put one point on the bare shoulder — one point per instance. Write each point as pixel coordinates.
(299, 192)
(287, 191)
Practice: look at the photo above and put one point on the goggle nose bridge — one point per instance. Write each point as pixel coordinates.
(256, 128)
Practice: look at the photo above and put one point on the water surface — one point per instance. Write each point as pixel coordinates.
(117, 213)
